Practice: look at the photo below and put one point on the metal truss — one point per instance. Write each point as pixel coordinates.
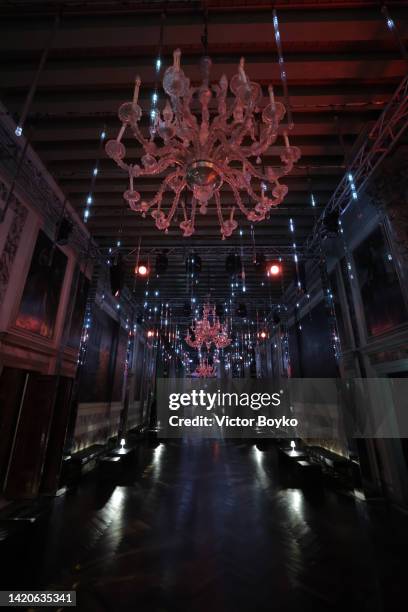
(379, 142)
(284, 251)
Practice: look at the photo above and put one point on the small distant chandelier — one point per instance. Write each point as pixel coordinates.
(201, 153)
(208, 330)
(204, 369)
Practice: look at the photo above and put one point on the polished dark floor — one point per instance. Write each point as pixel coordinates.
(198, 526)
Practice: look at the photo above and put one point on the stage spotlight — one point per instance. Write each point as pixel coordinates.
(263, 335)
(161, 263)
(142, 269)
(233, 264)
(274, 268)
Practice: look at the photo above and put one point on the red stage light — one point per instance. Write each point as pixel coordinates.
(142, 269)
(263, 335)
(150, 333)
(275, 269)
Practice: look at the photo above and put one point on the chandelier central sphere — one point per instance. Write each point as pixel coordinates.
(203, 143)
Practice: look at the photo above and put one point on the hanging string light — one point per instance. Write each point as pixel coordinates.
(352, 186)
(283, 74)
(243, 280)
(95, 171)
(295, 254)
(157, 67)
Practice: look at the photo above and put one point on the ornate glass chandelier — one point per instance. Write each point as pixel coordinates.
(201, 153)
(204, 369)
(208, 330)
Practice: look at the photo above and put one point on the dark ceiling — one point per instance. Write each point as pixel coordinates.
(343, 65)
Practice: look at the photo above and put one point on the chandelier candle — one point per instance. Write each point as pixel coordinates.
(200, 155)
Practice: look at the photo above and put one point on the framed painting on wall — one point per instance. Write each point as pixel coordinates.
(42, 291)
(380, 289)
(99, 369)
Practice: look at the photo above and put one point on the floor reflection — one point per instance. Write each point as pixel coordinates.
(209, 525)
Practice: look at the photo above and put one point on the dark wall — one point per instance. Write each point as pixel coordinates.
(295, 367)
(381, 295)
(79, 294)
(34, 410)
(99, 369)
(139, 369)
(313, 355)
(121, 356)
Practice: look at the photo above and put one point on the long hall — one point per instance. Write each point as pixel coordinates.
(204, 305)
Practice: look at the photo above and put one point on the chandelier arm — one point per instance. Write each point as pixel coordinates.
(183, 207)
(186, 121)
(260, 147)
(138, 135)
(242, 132)
(192, 120)
(178, 105)
(289, 157)
(122, 164)
(260, 199)
(219, 132)
(168, 149)
(175, 105)
(265, 204)
(237, 195)
(248, 116)
(193, 213)
(159, 195)
(173, 208)
(233, 153)
(219, 209)
(221, 90)
(224, 147)
(248, 152)
(251, 168)
(160, 166)
(205, 115)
